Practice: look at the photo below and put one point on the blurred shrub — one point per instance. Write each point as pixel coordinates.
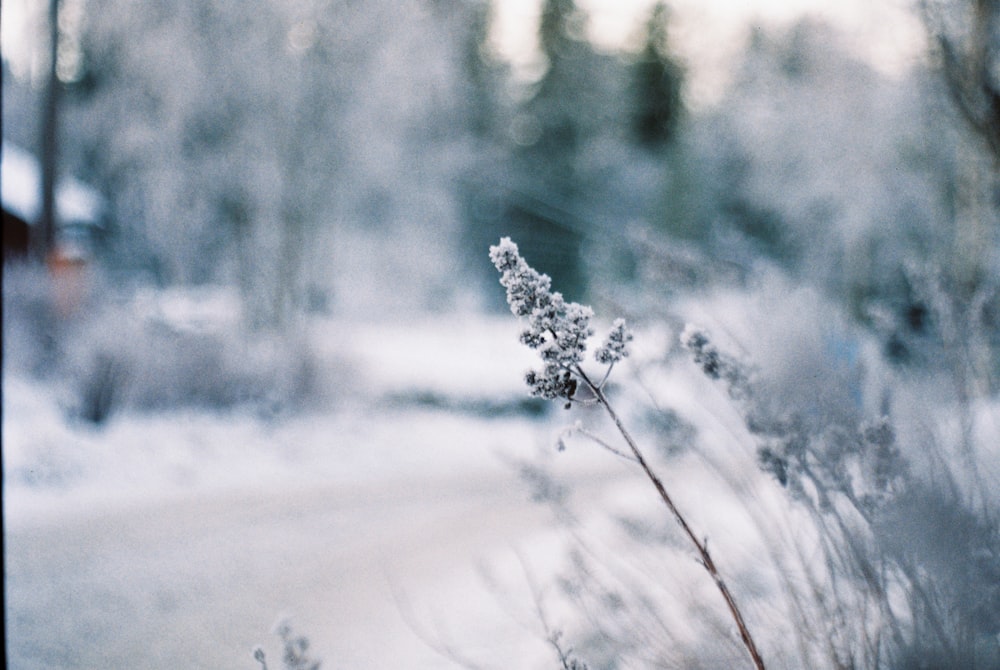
(157, 351)
(148, 364)
(878, 516)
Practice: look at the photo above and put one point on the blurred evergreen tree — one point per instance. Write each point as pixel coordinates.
(965, 36)
(543, 209)
(657, 82)
(484, 77)
(488, 109)
(558, 119)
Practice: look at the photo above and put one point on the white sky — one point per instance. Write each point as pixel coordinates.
(709, 34)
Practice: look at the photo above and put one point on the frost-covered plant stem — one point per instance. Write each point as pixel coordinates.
(558, 330)
(705, 558)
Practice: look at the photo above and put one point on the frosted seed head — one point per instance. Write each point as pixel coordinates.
(615, 347)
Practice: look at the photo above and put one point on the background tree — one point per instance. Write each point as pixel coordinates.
(543, 207)
(566, 182)
(48, 222)
(274, 144)
(964, 35)
(657, 83)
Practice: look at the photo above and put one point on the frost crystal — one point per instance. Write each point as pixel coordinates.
(557, 330)
(527, 290)
(615, 347)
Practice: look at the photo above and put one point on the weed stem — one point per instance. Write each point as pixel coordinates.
(701, 547)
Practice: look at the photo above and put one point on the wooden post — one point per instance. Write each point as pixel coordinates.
(45, 235)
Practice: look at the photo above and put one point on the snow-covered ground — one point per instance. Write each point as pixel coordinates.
(395, 521)
(175, 539)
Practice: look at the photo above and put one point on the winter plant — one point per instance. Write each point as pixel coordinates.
(913, 556)
(558, 330)
(295, 649)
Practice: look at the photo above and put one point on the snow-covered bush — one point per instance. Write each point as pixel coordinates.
(158, 362)
(909, 532)
(885, 548)
(156, 350)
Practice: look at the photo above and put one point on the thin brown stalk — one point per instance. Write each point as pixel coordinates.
(705, 558)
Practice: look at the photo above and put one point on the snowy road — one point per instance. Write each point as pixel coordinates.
(175, 540)
(196, 584)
